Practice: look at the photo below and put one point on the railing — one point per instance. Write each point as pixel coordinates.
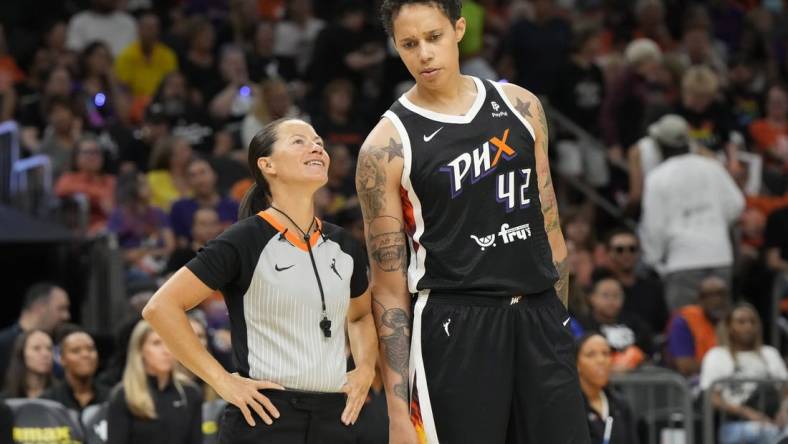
(105, 304)
(779, 325)
(585, 139)
(662, 399)
(709, 412)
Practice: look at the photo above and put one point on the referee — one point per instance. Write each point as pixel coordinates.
(292, 284)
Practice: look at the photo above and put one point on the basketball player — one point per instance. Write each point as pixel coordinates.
(459, 209)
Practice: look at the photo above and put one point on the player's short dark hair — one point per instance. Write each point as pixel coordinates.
(390, 8)
(37, 292)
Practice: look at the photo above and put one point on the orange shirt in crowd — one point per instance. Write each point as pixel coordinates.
(99, 190)
(765, 134)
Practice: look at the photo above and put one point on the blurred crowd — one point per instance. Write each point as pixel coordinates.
(675, 112)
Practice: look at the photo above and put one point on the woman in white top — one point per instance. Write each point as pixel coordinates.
(742, 355)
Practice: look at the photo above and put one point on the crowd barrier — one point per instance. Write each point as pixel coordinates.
(661, 400)
(41, 421)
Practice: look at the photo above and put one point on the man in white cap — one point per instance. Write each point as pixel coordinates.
(669, 133)
(689, 204)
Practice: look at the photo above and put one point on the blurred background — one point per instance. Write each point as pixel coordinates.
(123, 150)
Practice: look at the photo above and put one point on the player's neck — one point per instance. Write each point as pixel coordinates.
(453, 94)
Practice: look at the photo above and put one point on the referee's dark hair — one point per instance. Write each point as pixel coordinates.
(390, 8)
(37, 292)
(258, 197)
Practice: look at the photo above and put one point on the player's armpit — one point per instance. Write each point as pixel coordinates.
(530, 108)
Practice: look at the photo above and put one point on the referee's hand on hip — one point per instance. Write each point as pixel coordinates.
(245, 393)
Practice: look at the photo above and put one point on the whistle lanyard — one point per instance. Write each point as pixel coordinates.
(325, 323)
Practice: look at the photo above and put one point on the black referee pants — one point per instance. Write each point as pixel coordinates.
(493, 370)
(305, 418)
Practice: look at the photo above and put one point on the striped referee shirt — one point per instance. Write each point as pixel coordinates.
(268, 282)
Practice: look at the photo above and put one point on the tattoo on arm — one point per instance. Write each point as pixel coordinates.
(371, 176)
(387, 244)
(394, 334)
(547, 196)
(562, 286)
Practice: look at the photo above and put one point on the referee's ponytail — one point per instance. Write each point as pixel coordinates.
(258, 197)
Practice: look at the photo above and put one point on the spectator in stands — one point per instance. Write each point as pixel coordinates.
(187, 118)
(650, 15)
(238, 94)
(202, 184)
(55, 44)
(770, 137)
(710, 120)
(10, 74)
(697, 49)
(144, 63)
(273, 102)
(30, 368)
(103, 98)
(91, 181)
(750, 408)
(64, 129)
(33, 115)
(744, 93)
(628, 335)
(168, 177)
(104, 22)
(79, 359)
(339, 120)
(545, 36)
(199, 63)
(670, 132)
(578, 95)
(142, 230)
(692, 330)
(346, 48)
(594, 363)
(135, 155)
(262, 61)
(472, 44)
(625, 107)
(44, 307)
(689, 203)
(200, 327)
(295, 36)
(341, 185)
(643, 291)
(586, 252)
(776, 241)
(155, 403)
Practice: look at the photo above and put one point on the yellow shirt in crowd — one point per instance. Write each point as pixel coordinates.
(142, 74)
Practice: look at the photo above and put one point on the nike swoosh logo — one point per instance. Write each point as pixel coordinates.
(566, 321)
(277, 268)
(428, 138)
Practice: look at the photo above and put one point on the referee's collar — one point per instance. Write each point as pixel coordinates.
(292, 237)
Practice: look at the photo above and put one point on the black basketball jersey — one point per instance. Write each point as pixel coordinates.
(471, 200)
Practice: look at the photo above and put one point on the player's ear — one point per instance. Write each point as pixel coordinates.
(459, 28)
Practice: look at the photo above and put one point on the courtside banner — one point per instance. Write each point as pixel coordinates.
(40, 421)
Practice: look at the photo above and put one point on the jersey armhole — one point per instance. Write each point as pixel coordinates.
(511, 107)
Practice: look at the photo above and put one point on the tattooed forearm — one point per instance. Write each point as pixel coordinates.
(547, 197)
(394, 333)
(562, 285)
(371, 176)
(387, 244)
